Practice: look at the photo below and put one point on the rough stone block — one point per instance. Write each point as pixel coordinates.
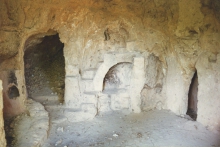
(120, 101)
(87, 86)
(128, 57)
(72, 92)
(89, 98)
(89, 74)
(36, 125)
(175, 81)
(104, 103)
(137, 83)
(89, 108)
(71, 70)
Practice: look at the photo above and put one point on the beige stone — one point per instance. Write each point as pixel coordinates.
(182, 34)
(72, 92)
(137, 84)
(176, 98)
(2, 132)
(120, 101)
(208, 93)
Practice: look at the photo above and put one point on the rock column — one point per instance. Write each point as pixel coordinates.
(2, 131)
(137, 84)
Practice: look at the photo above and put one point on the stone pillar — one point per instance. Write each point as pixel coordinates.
(176, 88)
(72, 92)
(2, 131)
(137, 84)
(72, 88)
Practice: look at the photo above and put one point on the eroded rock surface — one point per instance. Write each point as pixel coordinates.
(30, 129)
(2, 132)
(175, 38)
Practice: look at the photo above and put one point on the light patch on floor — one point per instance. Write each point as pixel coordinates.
(152, 128)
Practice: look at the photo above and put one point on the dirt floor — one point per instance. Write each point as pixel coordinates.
(118, 128)
(121, 129)
(153, 128)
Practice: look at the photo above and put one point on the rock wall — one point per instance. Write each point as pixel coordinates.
(208, 67)
(177, 32)
(13, 100)
(2, 132)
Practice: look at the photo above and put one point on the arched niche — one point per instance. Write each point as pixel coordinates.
(137, 79)
(118, 77)
(110, 60)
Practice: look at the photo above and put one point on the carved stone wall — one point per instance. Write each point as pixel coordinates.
(179, 33)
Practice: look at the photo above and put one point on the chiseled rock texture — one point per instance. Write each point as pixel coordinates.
(31, 129)
(175, 38)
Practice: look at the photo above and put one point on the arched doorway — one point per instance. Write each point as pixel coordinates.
(116, 84)
(44, 68)
(118, 77)
(137, 78)
(192, 97)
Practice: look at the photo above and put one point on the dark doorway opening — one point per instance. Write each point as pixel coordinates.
(192, 97)
(44, 67)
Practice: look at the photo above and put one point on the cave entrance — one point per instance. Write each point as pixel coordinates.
(192, 97)
(44, 68)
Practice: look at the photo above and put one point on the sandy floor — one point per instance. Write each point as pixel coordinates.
(118, 129)
(152, 128)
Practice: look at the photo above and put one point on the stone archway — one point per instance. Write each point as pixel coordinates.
(118, 77)
(137, 75)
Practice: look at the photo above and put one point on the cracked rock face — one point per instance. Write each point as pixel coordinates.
(175, 37)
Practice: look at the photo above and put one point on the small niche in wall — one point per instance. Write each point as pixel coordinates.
(118, 77)
(12, 78)
(13, 92)
(192, 97)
